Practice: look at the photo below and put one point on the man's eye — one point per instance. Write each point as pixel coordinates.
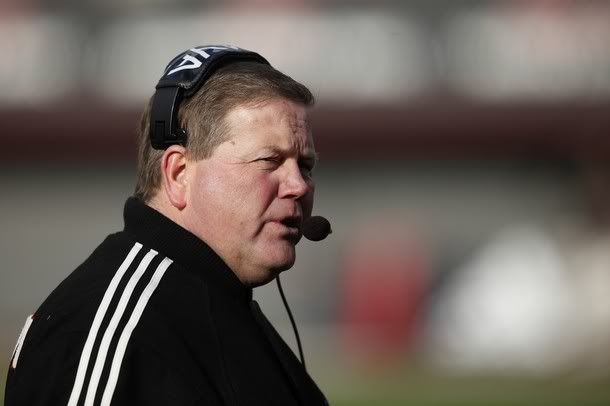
(270, 161)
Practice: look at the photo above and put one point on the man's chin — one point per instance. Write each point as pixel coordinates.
(268, 274)
(280, 264)
(270, 260)
(280, 253)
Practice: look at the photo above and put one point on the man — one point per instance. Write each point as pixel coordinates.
(161, 313)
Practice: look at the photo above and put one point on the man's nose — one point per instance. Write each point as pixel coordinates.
(294, 183)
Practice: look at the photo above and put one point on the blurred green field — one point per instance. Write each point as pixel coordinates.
(421, 389)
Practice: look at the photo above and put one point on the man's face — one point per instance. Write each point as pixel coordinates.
(249, 199)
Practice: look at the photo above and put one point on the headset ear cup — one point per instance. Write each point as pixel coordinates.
(183, 76)
(163, 128)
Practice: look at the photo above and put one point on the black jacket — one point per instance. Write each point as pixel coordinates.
(154, 317)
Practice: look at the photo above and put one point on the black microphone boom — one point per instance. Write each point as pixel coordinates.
(316, 228)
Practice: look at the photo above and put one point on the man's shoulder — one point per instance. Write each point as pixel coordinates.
(125, 292)
(80, 288)
(121, 275)
(117, 308)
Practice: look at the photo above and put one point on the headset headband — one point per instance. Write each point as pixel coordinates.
(183, 76)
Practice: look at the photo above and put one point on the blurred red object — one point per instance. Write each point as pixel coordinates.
(383, 283)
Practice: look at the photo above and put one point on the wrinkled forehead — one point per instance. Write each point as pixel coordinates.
(278, 119)
(278, 108)
(300, 128)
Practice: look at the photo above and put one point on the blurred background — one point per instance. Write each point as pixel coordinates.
(465, 149)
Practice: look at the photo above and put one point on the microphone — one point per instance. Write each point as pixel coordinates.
(316, 228)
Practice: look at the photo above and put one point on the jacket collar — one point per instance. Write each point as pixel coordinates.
(153, 229)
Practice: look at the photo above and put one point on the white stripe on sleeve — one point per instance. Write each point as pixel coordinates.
(97, 321)
(102, 353)
(21, 339)
(129, 327)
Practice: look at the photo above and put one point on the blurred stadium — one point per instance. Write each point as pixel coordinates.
(465, 149)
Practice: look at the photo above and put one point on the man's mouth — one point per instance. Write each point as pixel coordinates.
(292, 222)
(291, 228)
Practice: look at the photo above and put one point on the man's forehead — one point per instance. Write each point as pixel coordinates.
(272, 109)
(273, 121)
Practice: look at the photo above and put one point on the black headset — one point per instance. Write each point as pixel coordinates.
(182, 78)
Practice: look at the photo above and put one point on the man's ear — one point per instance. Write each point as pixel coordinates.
(173, 175)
